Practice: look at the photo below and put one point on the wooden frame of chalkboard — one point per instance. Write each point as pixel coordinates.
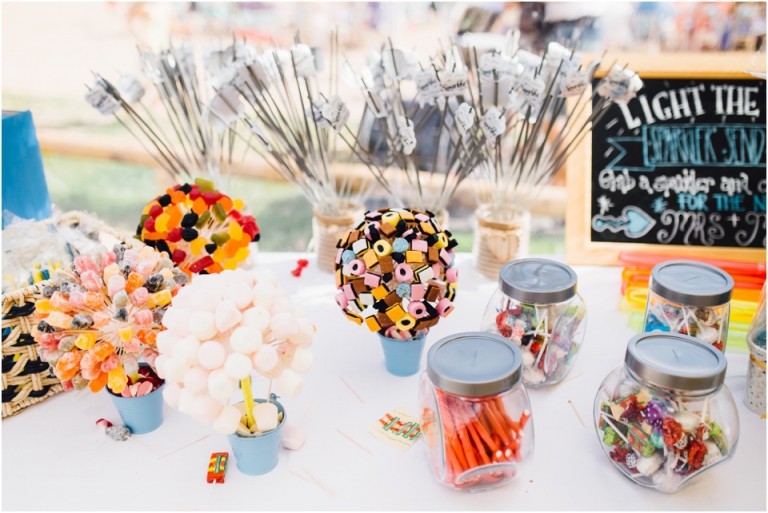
(700, 212)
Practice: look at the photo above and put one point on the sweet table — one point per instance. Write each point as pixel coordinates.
(55, 457)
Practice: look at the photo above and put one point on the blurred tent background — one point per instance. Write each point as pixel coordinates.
(93, 164)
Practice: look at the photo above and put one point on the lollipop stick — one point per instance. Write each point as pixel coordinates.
(210, 494)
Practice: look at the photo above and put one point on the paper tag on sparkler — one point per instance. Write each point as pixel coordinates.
(375, 104)
(620, 85)
(496, 94)
(493, 124)
(102, 101)
(214, 61)
(533, 91)
(225, 108)
(407, 134)
(303, 60)
(529, 61)
(316, 112)
(400, 63)
(465, 117)
(224, 76)
(336, 112)
(575, 84)
(635, 84)
(427, 84)
(452, 83)
(253, 79)
(130, 88)
(256, 130)
(186, 57)
(495, 66)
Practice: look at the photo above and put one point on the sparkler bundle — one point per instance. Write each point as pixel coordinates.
(424, 180)
(191, 136)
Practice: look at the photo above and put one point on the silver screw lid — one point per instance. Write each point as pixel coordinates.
(672, 360)
(691, 283)
(474, 364)
(537, 280)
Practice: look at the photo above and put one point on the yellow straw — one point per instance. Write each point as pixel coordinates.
(245, 384)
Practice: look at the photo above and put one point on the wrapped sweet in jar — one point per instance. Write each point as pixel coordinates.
(665, 416)
(690, 298)
(475, 413)
(537, 308)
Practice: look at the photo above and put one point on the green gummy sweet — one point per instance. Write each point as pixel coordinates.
(220, 238)
(203, 219)
(218, 212)
(610, 437)
(143, 220)
(204, 185)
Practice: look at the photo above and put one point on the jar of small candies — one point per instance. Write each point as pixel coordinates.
(537, 308)
(665, 416)
(475, 413)
(690, 298)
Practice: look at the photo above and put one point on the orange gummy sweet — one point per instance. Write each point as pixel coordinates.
(98, 383)
(102, 350)
(135, 280)
(147, 337)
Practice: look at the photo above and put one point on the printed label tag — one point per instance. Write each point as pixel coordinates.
(130, 88)
(336, 112)
(465, 117)
(575, 84)
(407, 134)
(493, 124)
(102, 101)
(427, 84)
(533, 91)
(398, 429)
(303, 60)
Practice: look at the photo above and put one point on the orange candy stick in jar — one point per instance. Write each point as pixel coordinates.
(481, 446)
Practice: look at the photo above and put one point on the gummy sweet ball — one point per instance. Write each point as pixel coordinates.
(97, 319)
(203, 230)
(396, 272)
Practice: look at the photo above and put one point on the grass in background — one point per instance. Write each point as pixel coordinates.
(117, 192)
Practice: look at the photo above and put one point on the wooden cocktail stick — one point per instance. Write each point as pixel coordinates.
(577, 413)
(317, 482)
(351, 389)
(565, 381)
(354, 441)
(184, 446)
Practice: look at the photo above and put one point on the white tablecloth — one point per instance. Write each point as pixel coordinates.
(55, 457)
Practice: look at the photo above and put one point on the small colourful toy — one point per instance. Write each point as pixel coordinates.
(217, 467)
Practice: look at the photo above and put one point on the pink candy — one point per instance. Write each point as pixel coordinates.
(341, 300)
(67, 385)
(50, 340)
(100, 319)
(417, 292)
(116, 284)
(357, 267)
(444, 307)
(145, 268)
(149, 355)
(403, 273)
(90, 366)
(77, 298)
(84, 263)
(143, 317)
(133, 345)
(91, 281)
(371, 281)
(417, 309)
(338, 256)
(132, 256)
(139, 296)
(111, 362)
(107, 259)
(419, 245)
(452, 274)
(59, 301)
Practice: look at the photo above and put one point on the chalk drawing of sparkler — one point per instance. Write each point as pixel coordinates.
(633, 222)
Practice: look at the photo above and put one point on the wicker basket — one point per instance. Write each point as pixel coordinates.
(26, 379)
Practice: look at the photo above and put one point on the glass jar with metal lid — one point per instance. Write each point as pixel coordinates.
(666, 416)
(475, 413)
(691, 298)
(536, 307)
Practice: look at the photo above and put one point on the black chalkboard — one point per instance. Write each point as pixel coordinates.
(682, 164)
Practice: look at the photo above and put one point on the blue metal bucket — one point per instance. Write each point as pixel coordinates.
(257, 454)
(403, 356)
(141, 414)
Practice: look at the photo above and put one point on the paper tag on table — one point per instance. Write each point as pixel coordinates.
(101, 100)
(397, 429)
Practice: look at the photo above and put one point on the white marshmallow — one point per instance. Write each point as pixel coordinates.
(283, 326)
(245, 339)
(228, 420)
(211, 354)
(305, 335)
(266, 416)
(293, 438)
(214, 282)
(175, 369)
(302, 361)
(265, 359)
(160, 365)
(282, 305)
(186, 398)
(171, 394)
(220, 385)
(177, 321)
(289, 383)
(264, 274)
(186, 350)
(264, 294)
(165, 341)
(240, 294)
(227, 316)
(238, 366)
(257, 317)
(202, 325)
(204, 408)
(204, 300)
(196, 380)
(528, 358)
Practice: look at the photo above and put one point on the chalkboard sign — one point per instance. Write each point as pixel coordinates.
(682, 164)
(680, 170)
